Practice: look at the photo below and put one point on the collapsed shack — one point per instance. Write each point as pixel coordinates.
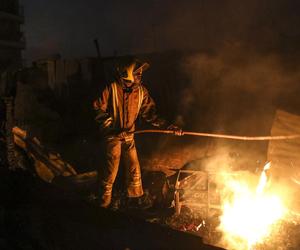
(190, 193)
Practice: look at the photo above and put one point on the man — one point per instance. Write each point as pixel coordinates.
(117, 109)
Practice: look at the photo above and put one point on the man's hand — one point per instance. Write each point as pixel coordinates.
(177, 131)
(106, 126)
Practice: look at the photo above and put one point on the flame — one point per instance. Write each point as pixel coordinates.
(249, 213)
(263, 179)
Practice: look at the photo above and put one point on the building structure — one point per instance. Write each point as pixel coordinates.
(12, 40)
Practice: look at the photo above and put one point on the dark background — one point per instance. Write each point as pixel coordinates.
(146, 26)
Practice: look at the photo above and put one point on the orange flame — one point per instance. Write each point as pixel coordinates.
(249, 214)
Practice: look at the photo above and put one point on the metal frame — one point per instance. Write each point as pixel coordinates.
(207, 204)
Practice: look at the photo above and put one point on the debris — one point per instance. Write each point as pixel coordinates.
(47, 164)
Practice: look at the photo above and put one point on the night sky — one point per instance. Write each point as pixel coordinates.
(135, 26)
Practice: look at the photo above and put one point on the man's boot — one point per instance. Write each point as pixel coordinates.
(105, 201)
(142, 202)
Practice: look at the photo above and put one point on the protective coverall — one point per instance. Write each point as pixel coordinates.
(116, 112)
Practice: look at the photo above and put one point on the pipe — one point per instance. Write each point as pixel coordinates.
(233, 137)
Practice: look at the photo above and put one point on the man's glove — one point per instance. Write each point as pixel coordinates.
(107, 123)
(106, 126)
(176, 129)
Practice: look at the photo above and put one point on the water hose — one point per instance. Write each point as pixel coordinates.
(233, 137)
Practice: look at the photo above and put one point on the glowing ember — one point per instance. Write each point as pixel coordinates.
(249, 213)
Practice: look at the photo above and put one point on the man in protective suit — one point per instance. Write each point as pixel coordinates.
(117, 109)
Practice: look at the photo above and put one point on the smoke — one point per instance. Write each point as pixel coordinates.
(237, 91)
(234, 90)
(209, 24)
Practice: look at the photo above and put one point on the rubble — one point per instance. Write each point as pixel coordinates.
(46, 164)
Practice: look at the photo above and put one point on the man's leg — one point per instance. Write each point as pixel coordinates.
(132, 169)
(109, 172)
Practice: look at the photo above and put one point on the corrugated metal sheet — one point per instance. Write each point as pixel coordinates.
(285, 154)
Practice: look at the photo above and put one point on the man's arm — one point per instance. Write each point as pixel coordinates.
(100, 106)
(149, 113)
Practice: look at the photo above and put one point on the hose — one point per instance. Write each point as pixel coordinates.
(233, 137)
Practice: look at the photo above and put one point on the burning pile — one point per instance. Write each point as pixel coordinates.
(253, 211)
(250, 213)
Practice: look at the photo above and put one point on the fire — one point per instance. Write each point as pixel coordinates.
(250, 213)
